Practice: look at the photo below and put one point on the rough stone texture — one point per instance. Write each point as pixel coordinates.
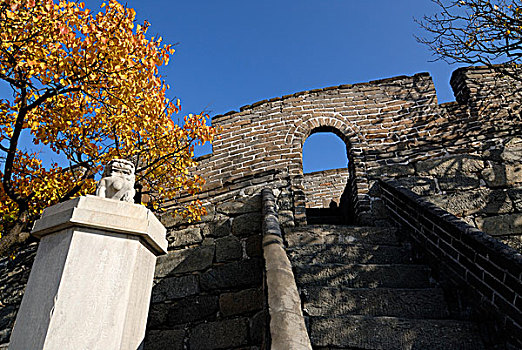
(253, 246)
(184, 260)
(241, 302)
(195, 308)
(218, 279)
(516, 196)
(407, 303)
(164, 339)
(14, 274)
(220, 335)
(361, 332)
(472, 202)
(175, 288)
(183, 237)
(240, 206)
(499, 225)
(228, 248)
(461, 164)
(364, 275)
(219, 228)
(324, 187)
(423, 186)
(246, 224)
(246, 273)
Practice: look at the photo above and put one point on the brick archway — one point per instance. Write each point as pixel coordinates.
(354, 141)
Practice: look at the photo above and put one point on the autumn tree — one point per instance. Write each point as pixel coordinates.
(480, 32)
(87, 87)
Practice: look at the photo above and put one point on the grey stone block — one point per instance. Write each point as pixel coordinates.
(349, 254)
(217, 228)
(458, 182)
(236, 274)
(516, 197)
(183, 237)
(240, 206)
(362, 332)
(498, 175)
(258, 325)
(241, 302)
(191, 309)
(512, 150)
(174, 288)
(184, 260)
(407, 303)
(472, 202)
(224, 334)
(363, 275)
(164, 339)
(285, 201)
(247, 224)
(510, 224)
(157, 316)
(253, 246)
(393, 170)
(464, 164)
(422, 186)
(228, 248)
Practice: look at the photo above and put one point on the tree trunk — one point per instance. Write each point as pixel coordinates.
(15, 235)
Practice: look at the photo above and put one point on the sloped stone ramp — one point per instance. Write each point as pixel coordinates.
(361, 290)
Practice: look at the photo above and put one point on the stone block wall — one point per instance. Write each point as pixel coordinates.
(464, 259)
(323, 187)
(483, 187)
(208, 291)
(14, 274)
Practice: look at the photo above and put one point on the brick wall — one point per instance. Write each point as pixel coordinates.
(323, 187)
(388, 125)
(486, 269)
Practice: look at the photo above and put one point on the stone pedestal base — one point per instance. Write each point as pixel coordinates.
(91, 281)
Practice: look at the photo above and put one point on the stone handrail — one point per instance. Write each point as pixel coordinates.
(287, 326)
(490, 271)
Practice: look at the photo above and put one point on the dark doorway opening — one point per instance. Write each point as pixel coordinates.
(328, 184)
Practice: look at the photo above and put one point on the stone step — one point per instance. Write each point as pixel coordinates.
(363, 275)
(406, 303)
(349, 254)
(392, 333)
(333, 234)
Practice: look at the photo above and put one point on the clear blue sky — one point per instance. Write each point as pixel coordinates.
(236, 52)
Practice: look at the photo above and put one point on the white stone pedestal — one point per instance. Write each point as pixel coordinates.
(91, 280)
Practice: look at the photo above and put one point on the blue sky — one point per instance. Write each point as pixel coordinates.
(236, 52)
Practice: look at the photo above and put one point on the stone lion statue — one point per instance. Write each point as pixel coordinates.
(117, 181)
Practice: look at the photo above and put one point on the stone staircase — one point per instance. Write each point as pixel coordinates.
(360, 290)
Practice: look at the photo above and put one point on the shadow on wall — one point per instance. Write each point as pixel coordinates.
(483, 187)
(14, 274)
(208, 290)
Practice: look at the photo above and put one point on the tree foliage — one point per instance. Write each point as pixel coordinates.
(477, 32)
(86, 86)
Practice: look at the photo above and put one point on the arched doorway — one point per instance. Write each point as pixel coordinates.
(327, 177)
